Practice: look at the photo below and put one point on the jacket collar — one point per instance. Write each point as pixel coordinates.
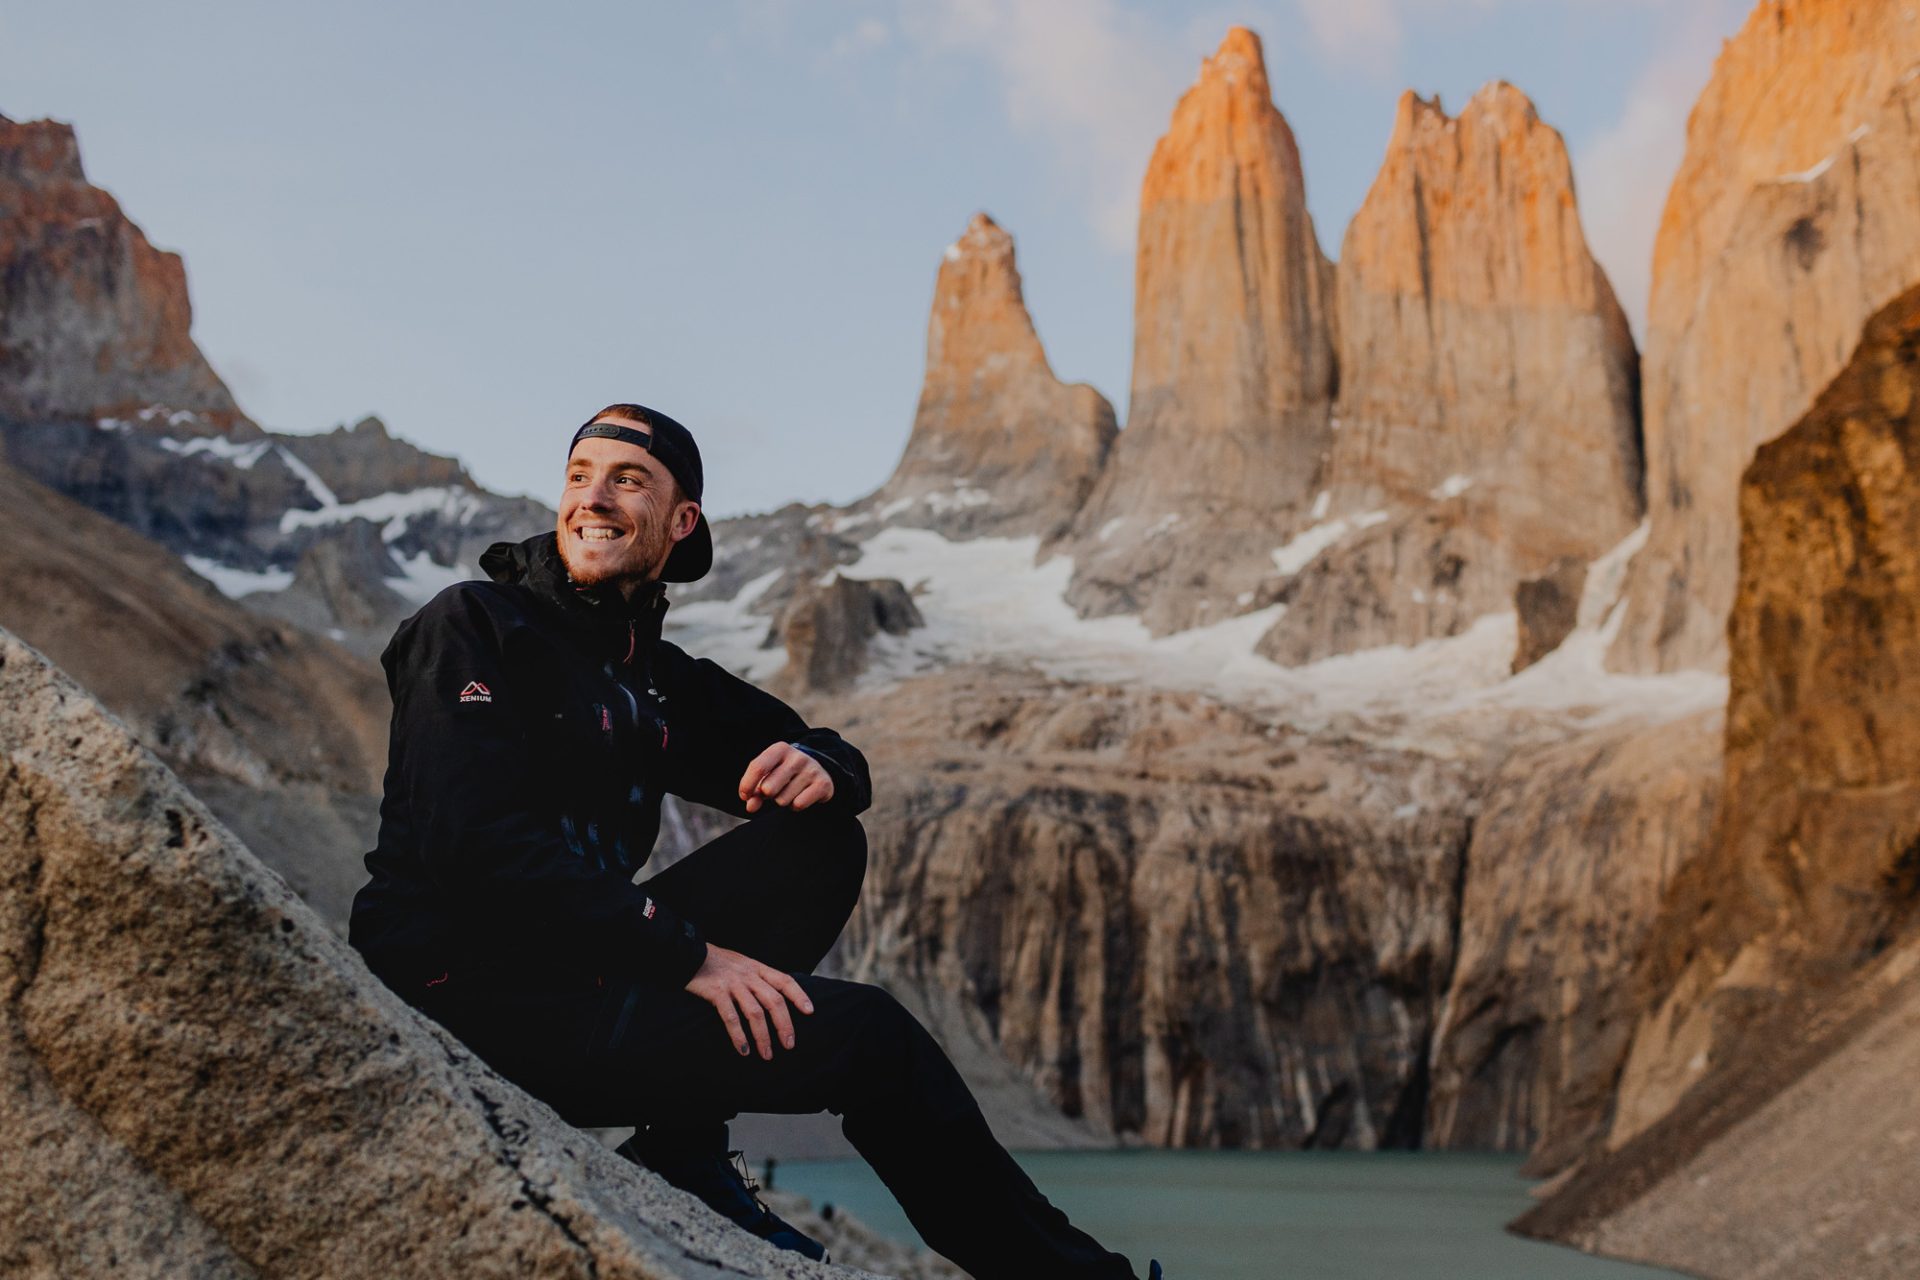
(536, 564)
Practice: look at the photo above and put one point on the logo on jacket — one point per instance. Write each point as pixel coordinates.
(647, 911)
(476, 692)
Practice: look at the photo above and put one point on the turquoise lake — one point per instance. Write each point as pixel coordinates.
(1234, 1215)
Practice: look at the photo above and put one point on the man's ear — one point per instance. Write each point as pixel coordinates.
(685, 516)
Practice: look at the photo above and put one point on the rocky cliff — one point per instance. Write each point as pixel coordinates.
(1792, 219)
(1487, 424)
(1573, 851)
(1814, 867)
(197, 1078)
(105, 398)
(1775, 991)
(999, 444)
(1233, 364)
(1178, 922)
(94, 321)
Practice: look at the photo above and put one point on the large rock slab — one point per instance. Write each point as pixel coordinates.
(197, 1078)
(1793, 218)
(1233, 363)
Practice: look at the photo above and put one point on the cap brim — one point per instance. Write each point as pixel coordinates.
(692, 556)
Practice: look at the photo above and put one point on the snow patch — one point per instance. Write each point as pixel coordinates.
(422, 577)
(1310, 542)
(240, 455)
(1451, 487)
(393, 511)
(309, 477)
(236, 583)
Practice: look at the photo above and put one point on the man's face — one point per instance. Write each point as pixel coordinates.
(618, 518)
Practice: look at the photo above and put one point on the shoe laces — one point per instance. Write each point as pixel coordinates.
(738, 1160)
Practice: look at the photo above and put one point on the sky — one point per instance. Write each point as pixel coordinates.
(483, 221)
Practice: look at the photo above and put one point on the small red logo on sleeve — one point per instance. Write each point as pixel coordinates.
(476, 692)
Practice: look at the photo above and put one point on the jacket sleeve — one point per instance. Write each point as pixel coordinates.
(729, 722)
(488, 840)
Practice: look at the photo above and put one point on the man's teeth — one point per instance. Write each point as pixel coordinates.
(599, 535)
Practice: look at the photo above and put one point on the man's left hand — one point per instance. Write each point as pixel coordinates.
(786, 775)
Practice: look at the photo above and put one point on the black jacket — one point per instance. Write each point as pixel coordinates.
(536, 726)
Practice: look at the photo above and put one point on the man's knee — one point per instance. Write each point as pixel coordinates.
(837, 844)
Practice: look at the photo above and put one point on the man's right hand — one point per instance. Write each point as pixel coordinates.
(741, 987)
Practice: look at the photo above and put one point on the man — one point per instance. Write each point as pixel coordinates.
(537, 720)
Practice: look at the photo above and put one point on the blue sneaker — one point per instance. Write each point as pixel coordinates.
(702, 1165)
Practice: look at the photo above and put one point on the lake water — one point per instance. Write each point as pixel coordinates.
(1255, 1215)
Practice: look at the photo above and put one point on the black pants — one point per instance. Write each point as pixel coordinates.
(779, 889)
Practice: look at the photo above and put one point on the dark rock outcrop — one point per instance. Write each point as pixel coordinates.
(827, 628)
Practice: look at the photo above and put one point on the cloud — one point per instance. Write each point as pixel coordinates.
(1360, 33)
(1092, 82)
(1624, 170)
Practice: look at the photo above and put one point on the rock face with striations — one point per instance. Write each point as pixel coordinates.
(1487, 424)
(1572, 853)
(196, 1078)
(999, 445)
(93, 319)
(1791, 221)
(1176, 923)
(1233, 364)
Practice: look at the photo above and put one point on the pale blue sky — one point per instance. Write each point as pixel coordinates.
(484, 221)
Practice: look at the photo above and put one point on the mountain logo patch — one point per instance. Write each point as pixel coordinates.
(476, 692)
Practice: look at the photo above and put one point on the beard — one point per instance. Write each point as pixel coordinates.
(633, 566)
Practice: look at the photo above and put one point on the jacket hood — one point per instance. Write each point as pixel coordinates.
(535, 563)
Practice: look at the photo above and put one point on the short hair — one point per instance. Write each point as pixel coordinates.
(639, 413)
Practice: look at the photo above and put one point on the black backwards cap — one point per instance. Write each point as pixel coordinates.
(673, 444)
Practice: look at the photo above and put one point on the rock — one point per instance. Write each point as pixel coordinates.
(999, 444)
(1401, 579)
(1791, 221)
(826, 628)
(1813, 871)
(1795, 1162)
(1233, 364)
(851, 1242)
(1548, 607)
(1181, 926)
(197, 1078)
(1571, 856)
(1487, 411)
(341, 587)
(285, 736)
(364, 460)
(94, 321)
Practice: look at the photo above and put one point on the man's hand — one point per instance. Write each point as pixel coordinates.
(740, 986)
(786, 775)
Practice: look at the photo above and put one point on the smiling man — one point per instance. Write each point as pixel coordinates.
(538, 719)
